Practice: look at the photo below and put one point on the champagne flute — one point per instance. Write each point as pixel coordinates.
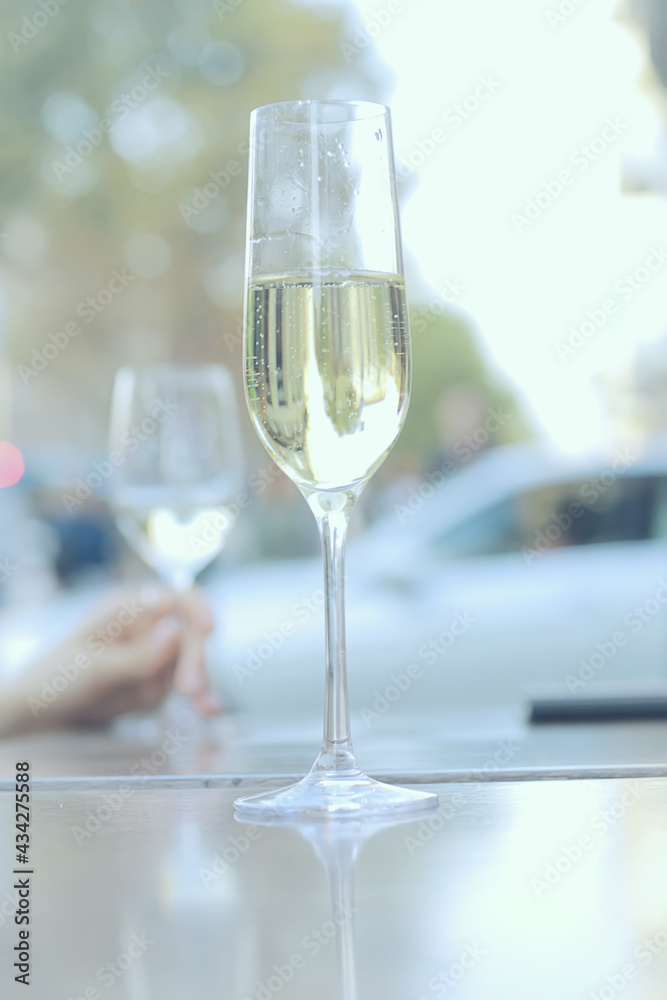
(327, 377)
(174, 430)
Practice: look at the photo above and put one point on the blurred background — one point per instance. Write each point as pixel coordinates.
(520, 523)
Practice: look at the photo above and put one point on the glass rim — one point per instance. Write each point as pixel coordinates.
(213, 373)
(370, 109)
(175, 367)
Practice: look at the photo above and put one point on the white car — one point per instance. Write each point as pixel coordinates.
(520, 569)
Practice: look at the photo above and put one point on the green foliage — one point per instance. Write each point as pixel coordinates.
(445, 357)
(69, 221)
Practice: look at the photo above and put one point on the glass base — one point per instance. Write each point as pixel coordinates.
(326, 793)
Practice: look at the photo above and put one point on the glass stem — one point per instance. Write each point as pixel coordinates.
(333, 530)
(332, 513)
(180, 578)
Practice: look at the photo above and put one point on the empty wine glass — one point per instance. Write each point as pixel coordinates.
(327, 370)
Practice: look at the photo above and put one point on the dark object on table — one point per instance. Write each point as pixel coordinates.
(613, 708)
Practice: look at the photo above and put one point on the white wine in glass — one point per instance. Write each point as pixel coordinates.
(176, 430)
(327, 372)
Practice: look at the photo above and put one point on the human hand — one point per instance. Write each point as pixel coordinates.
(140, 644)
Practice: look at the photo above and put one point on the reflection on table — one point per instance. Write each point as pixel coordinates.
(535, 889)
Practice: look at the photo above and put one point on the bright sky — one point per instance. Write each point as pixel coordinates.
(551, 89)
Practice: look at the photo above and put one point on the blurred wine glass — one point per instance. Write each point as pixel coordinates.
(175, 439)
(176, 447)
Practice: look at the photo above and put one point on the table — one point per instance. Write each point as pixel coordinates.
(456, 747)
(146, 888)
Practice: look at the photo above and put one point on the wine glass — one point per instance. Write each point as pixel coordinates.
(327, 379)
(175, 435)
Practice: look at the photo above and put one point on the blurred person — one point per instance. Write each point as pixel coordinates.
(127, 655)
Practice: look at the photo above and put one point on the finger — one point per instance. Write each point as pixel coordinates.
(156, 602)
(190, 675)
(191, 678)
(208, 702)
(196, 610)
(145, 657)
(133, 611)
(120, 615)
